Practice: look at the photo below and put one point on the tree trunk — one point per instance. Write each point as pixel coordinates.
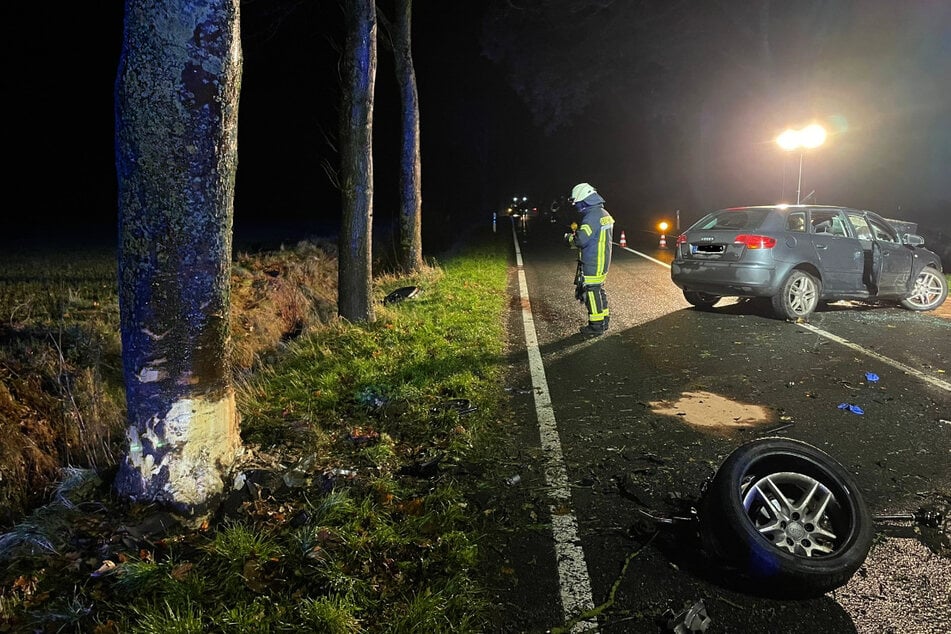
(354, 278)
(411, 240)
(176, 155)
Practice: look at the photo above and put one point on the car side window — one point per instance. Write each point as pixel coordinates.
(883, 233)
(796, 222)
(860, 226)
(827, 222)
(838, 228)
(821, 222)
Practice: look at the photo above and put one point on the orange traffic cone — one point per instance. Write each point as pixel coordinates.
(623, 240)
(663, 241)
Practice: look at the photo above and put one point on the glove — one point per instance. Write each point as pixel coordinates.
(580, 292)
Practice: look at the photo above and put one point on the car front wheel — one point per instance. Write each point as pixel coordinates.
(798, 297)
(786, 516)
(703, 301)
(929, 292)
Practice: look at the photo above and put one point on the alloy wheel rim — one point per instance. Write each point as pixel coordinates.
(927, 290)
(802, 296)
(794, 512)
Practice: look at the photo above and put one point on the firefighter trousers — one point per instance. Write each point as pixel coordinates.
(596, 301)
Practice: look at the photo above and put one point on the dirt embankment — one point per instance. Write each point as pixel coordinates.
(61, 393)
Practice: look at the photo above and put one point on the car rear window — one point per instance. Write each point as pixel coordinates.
(734, 219)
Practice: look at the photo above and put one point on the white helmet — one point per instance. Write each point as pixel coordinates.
(582, 191)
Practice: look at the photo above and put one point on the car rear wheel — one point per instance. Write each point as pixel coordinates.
(929, 292)
(787, 516)
(703, 301)
(798, 297)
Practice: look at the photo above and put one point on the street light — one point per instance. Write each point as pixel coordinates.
(812, 136)
(663, 230)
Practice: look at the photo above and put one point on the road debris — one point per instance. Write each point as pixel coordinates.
(460, 405)
(693, 619)
(361, 436)
(926, 517)
(407, 292)
(855, 409)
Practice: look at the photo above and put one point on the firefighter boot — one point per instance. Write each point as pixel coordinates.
(593, 329)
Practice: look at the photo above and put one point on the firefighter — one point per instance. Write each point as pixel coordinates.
(592, 238)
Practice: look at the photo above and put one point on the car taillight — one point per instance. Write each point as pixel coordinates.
(682, 239)
(752, 241)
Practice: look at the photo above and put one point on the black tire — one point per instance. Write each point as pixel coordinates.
(798, 296)
(813, 543)
(929, 292)
(703, 301)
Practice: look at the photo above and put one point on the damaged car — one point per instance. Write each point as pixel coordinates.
(800, 255)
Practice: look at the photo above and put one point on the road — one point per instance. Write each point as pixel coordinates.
(642, 416)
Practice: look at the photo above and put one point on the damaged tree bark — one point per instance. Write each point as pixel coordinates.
(176, 157)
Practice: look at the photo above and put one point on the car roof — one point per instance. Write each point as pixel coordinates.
(782, 207)
(787, 208)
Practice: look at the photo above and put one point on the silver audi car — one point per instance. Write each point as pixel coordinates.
(799, 255)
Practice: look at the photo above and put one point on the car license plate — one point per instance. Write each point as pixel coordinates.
(706, 249)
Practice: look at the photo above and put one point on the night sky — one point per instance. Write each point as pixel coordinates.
(665, 113)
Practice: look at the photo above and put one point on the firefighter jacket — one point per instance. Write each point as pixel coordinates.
(593, 240)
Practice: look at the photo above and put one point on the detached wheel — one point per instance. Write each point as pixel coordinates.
(703, 301)
(787, 517)
(929, 292)
(798, 297)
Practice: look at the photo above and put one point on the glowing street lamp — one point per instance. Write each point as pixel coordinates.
(663, 237)
(812, 136)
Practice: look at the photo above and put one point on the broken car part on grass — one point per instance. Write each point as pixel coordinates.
(406, 292)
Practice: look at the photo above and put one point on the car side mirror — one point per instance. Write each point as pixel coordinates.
(912, 240)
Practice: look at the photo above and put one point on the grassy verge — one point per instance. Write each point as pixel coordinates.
(350, 512)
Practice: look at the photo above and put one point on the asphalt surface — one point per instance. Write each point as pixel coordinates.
(646, 414)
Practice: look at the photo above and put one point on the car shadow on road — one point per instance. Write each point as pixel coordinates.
(761, 307)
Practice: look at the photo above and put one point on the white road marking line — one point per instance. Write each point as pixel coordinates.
(944, 385)
(645, 256)
(574, 583)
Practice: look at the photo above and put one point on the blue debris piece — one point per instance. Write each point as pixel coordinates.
(855, 409)
(871, 377)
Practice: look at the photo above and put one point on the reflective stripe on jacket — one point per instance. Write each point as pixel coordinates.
(594, 240)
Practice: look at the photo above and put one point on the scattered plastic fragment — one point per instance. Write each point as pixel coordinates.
(855, 409)
(460, 405)
(363, 436)
(513, 480)
(299, 519)
(871, 377)
(107, 568)
(422, 469)
(407, 292)
(372, 397)
(689, 621)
